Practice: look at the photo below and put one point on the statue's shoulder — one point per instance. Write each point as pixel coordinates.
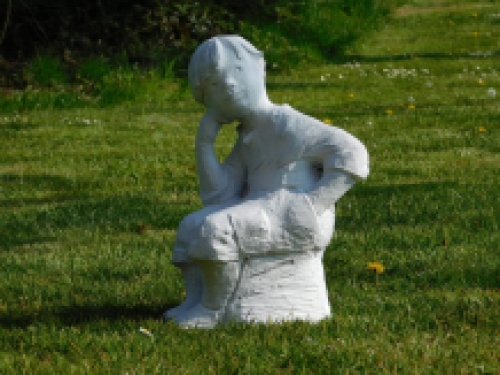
(289, 120)
(284, 113)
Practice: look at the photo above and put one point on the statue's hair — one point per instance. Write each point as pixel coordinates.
(210, 55)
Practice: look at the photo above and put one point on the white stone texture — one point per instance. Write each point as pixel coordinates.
(280, 287)
(269, 208)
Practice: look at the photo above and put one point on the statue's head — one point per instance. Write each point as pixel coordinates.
(227, 74)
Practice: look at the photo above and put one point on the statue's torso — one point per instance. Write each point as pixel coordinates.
(272, 155)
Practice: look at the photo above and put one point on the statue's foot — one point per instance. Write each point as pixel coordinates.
(180, 310)
(199, 317)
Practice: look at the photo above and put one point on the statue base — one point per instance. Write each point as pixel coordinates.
(281, 287)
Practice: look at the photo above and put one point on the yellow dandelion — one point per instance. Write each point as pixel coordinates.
(327, 121)
(376, 266)
(475, 33)
(481, 129)
(411, 106)
(451, 22)
(474, 15)
(480, 81)
(351, 95)
(389, 112)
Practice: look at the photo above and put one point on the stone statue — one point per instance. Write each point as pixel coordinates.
(254, 252)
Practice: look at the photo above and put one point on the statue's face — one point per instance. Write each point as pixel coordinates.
(235, 89)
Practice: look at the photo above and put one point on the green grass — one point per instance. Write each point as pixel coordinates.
(78, 279)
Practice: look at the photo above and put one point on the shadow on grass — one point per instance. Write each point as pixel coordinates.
(420, 55)
(78, 315)
(468, 281)
(29, 183)
(354, 109)
(371, 207)
(110, 214)
(418, 276)
(69, 207)
(398, 204)
(424, 274)
(18, 126)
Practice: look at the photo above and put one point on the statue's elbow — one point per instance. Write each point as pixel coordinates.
(362, 158)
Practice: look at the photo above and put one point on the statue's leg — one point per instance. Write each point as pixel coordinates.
(220, 279)
(187, 235)
(219, 282)
(191, 274)
(216, 254)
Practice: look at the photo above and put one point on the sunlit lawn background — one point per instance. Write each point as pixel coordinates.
(90, 200)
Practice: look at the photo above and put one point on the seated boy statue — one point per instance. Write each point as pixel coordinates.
(279, 183)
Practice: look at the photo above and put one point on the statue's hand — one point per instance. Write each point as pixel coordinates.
(209, 127)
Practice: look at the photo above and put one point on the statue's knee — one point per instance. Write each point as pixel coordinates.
(188, 223)
(188, 228)
(216, 240)
(216, 228)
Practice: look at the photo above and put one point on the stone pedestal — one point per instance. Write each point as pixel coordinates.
(280, 288)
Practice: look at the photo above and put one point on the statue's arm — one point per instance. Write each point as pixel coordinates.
(218, 182)
(343, 160)
(330, 188)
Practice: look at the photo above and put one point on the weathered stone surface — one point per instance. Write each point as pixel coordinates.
(254, 252)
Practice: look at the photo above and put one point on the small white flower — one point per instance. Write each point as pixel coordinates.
(323, 78)
(341, 76)
(145, 331)
(492, 93)
(429, 84)
(411, 99)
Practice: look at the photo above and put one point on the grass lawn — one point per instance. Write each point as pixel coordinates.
(90, 201)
